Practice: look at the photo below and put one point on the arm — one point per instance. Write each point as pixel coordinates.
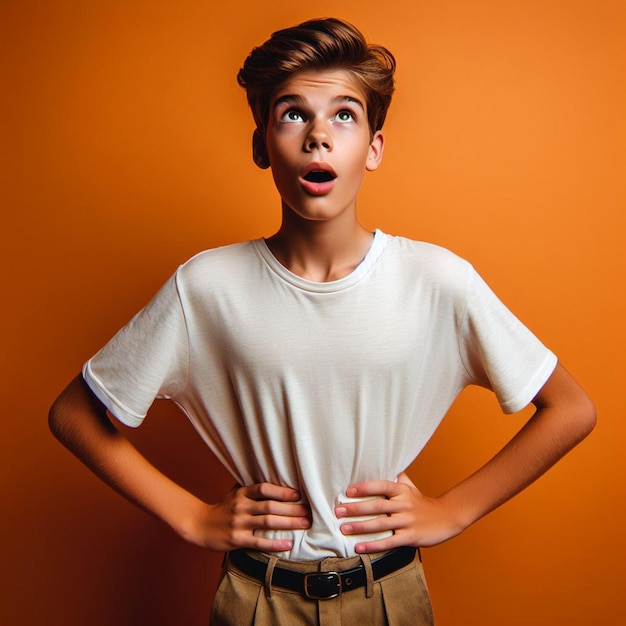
(565, 416)
(79, 421)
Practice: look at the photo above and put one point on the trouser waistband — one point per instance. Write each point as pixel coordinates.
(322, 585)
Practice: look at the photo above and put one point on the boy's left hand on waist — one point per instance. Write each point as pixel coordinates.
(415, 519)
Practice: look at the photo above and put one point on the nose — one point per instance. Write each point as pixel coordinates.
(317, 138)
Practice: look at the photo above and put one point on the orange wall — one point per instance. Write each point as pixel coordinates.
(125, 149)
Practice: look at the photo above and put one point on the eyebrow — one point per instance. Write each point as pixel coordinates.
(296, 99)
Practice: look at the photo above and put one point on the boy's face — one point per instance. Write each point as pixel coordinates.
(318, 143)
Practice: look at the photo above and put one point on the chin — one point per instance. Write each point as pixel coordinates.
(323, 209)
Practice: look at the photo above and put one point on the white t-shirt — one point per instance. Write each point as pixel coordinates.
(318, 385)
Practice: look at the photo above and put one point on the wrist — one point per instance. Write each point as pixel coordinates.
(458, 513)
(192, 523)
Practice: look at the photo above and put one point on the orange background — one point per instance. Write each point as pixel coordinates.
(125, 150)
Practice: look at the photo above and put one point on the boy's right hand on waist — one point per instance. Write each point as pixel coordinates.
(231, 523)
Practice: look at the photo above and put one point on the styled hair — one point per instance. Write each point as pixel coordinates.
(318, 44)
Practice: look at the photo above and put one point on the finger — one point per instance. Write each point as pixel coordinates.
(250, 514)
(386, 488)
(379, 546)
(380, 524)
(273, 545)
(262, 544)
(273, 507)
(270, 491)
(379, 506)
(276, 522)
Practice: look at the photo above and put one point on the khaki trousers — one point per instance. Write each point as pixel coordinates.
(399, 599)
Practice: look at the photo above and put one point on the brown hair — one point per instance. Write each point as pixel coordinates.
(318, 44)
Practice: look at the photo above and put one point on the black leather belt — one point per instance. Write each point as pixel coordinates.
(323, 585)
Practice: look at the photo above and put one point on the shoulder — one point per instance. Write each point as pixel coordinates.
(429, 262)
(217, 265)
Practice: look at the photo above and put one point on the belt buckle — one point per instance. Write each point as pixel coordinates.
(322, 585)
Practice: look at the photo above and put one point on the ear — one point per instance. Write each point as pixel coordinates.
(375, 156)
(259, 150)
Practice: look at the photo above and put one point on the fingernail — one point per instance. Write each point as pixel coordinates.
(306, 523)
(351, 491)
(341, 511)
(346, 529)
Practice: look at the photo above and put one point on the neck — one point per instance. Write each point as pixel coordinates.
(320, 251)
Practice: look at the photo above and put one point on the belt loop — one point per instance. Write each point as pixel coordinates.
(366, 559)
(271, 564)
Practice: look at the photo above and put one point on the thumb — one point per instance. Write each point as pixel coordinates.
(404, 479)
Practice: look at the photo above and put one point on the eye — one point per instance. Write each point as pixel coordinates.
(292, 116)
(344, 116)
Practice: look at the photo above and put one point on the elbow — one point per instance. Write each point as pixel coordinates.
(63, 412)
(53, 418)
(587, 416)
(77, 415)
(572, 406)
(56, 421)
(581, 417)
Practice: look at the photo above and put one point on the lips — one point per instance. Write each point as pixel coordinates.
(318, 178)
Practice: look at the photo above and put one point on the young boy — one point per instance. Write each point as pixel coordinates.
(316, 364)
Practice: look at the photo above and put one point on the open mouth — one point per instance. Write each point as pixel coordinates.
(318, 176)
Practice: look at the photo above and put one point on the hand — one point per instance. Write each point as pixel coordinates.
(414, 519)
(230, 524)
